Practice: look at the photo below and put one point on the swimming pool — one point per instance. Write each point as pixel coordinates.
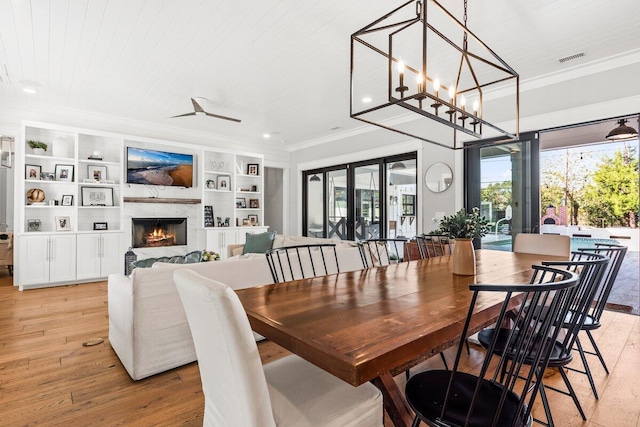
(576, 243)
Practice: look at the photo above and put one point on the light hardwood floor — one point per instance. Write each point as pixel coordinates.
(47, 377)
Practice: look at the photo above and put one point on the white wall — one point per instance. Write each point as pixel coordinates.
(274, 194)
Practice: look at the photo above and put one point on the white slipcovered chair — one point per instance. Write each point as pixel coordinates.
(543, 244)
(240, 392)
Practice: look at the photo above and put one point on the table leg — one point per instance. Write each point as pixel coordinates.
(394, 402)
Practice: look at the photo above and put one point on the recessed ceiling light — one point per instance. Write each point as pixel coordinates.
(266, 135)
(29, 90)
(367, 99)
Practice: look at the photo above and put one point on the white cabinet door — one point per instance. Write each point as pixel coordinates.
(98, 255)
(62, 258)
(88, 256)
(33, 260)
(112, 260)
(218, 240)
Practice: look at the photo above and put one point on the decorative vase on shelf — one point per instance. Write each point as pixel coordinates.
(463, 258)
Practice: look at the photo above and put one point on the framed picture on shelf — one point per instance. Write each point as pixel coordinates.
(253, 219)
(254, 188)
(67, 200)
(100, 226)
(64, 173)
(224, 183)
(97, 173)
(33, 225)
(254, 203)
(63, 223)
(32, 171)
(47, 176)
(253, 169)
(97, 196)
(241, 203)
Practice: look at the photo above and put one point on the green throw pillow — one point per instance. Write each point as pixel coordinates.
(258, 243)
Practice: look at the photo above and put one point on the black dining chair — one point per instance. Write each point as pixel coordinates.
(302, 261)
(500, 394)
(590, 268)
(616, 254)
(381, 252)
(433, 245)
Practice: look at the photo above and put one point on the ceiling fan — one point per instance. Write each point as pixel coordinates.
(199, 111)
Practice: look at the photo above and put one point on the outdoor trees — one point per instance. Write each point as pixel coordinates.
(612, 195)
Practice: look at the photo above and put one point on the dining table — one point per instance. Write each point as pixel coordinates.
(373, 324)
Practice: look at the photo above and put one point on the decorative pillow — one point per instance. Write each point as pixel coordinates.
(258, 243)
(189, 258)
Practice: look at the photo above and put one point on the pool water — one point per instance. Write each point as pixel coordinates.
(576, 243)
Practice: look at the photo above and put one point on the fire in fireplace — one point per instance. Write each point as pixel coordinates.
(158, 232)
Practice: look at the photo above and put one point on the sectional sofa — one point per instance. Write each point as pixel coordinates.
(148, 327)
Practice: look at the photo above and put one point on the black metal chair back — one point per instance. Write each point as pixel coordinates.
(495, 397)
(302, 261)
(616, 254)
(430, 245)
(381, 252)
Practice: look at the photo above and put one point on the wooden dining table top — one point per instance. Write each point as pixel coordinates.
(358, 325)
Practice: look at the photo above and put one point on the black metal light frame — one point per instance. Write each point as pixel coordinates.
(412, 100)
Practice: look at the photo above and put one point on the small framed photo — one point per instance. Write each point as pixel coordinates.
(100, 226)
(224, 183)
(254, 188)
(97, 196)
(47, 176)
(64, 173)
(253, 169)
(241, 203)
(253, 219)
(97, 173)
(67, 200)
(33, 225)
(254, 203)
(32, 171)
(63, 223)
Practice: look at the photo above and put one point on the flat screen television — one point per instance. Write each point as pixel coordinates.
(154, 167)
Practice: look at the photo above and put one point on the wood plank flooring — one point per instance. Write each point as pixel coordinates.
(48, 378)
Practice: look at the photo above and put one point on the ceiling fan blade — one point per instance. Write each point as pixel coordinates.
(183, 115)
(223, 117)
(196, 106)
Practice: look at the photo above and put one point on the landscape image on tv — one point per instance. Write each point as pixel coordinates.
(159, 168)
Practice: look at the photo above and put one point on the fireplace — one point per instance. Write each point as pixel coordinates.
(159, 232)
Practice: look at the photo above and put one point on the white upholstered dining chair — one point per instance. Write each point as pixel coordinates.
(240, 391)
(543, 244)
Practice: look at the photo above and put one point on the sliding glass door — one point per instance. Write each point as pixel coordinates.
(348, 201)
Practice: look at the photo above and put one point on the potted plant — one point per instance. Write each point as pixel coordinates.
(38, 147)
(209, 256)
(464, 227)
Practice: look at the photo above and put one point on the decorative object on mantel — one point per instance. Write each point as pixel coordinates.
(464, 227)
(427, 44)
(129, 258)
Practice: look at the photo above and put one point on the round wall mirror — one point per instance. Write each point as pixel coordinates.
(438, 177)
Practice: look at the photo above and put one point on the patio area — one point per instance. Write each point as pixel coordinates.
(625, 296)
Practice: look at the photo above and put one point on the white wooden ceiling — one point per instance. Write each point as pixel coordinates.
(282, 66)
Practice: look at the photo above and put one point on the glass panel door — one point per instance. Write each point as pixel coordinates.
(315, 205)
(401, 198)
(367, 202)
(337, 205)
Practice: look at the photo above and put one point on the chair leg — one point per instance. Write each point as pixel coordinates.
(444, 360)
(416, 422)
(466, 342)
(572, 393)
(597, 350)
(545, 405)
(407, 375)
(587, 371)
